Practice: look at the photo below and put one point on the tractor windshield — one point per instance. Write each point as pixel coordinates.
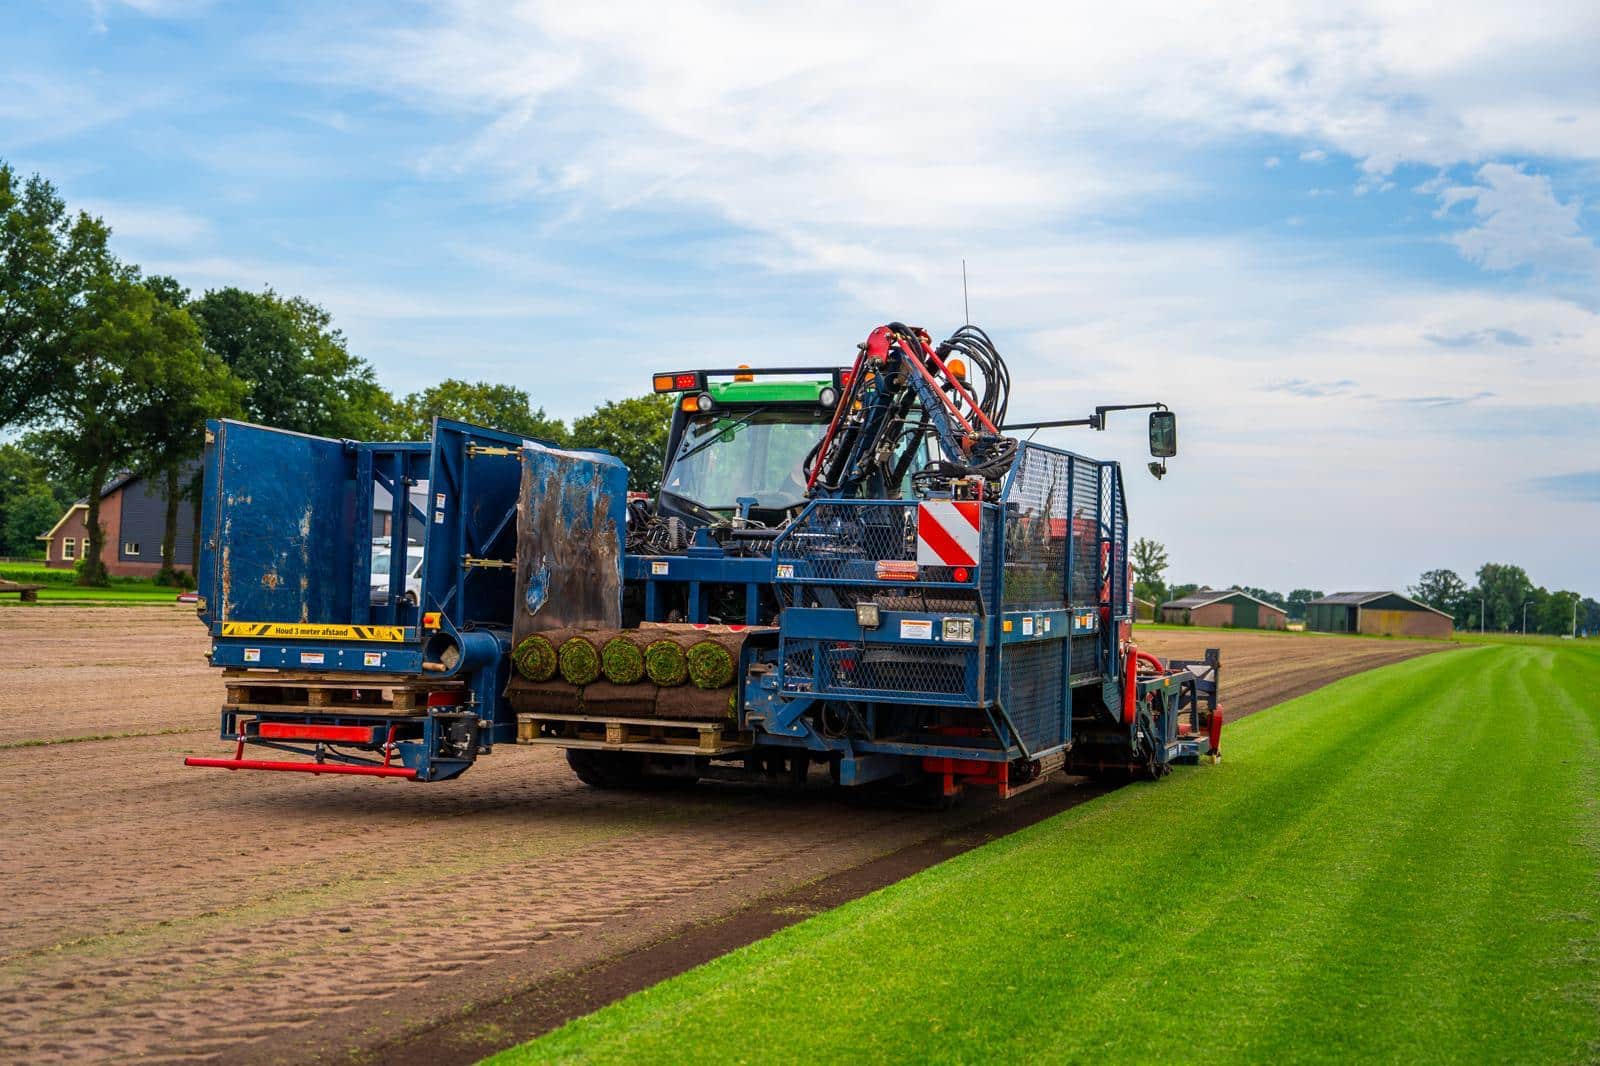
(757, 452)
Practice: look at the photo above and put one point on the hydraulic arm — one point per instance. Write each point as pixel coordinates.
(903, 391)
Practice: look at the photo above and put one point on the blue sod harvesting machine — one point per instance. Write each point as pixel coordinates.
(855, 568)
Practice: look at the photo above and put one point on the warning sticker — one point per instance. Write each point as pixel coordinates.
(785, 571)
(659, 568)
(372, 658)
(313, 631)
(916, 629)
(1027, 626)
(252, 655)
(311, 658)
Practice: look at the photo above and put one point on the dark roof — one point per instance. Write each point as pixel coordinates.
(1350, 598)
(116, 482)
(1356, 599)
(1200, 599)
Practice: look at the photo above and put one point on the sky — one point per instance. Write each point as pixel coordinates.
(1355, 248)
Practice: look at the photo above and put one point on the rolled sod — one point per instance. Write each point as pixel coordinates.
(689, 702)
(622, 660)
(712, 659)
(579, 660)
(665, 664)
(535, 658)
(628, 701)
(544, 697)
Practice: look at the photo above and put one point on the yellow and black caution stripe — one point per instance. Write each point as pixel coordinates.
(313, 631)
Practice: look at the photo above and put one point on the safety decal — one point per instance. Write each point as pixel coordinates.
(947, 532)
(314, 631)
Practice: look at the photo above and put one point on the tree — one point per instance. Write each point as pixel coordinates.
(297, 372)
(23, 520)
(48, 259)
(503, 407)
(195, 385)
(1149, 559)
(28, 506)
(127, 352)
(1589, 617)
(1555, 613)
(1178, 592)
(635, 431)
(1445, 590)
(1295, 602)
(1504, 589)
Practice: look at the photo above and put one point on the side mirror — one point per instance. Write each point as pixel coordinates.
(1163, 434)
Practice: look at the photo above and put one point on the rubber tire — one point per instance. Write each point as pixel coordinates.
(620, 770)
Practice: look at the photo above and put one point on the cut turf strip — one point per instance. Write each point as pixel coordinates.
(1402, 866)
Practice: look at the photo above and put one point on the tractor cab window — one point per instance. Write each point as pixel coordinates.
(733, 453)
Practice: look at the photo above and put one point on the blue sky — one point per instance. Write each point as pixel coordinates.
(1357, 251)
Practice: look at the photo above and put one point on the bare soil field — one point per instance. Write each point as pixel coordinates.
(165, 913)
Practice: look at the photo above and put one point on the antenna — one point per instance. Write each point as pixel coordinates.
(966, 309)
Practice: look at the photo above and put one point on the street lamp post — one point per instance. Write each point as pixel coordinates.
(1525, 617)
(1481, 601)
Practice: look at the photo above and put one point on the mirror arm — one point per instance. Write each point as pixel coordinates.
(1094, 421)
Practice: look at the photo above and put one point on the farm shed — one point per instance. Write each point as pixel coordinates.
(1229, 607)
(1386, 614)
(1143, 610)
(133, 515)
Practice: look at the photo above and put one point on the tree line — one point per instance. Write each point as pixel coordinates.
(105, 369)
(1502, 598)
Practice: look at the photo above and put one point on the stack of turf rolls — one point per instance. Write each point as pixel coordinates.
(674, 671)
(622, 658)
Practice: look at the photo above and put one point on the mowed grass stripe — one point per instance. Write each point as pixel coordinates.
(1402, 865)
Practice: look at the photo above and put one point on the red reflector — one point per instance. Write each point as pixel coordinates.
(355, 734)
(443, 699)
(961, 574)
(685, 381)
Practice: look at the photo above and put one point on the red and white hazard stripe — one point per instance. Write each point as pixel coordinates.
(947, 532)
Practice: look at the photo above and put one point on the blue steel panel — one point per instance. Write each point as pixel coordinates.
(279, 508)
(472, 508)
(571, 522)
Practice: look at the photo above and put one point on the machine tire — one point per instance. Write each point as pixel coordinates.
(620, 770)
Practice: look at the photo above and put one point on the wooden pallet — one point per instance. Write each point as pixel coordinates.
(293, 690)
(631, 734)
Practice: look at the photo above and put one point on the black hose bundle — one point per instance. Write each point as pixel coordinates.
(975, 346)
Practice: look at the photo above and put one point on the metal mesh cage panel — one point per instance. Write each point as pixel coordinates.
(1119, 547)
(1085, 498)
(861, 669)
(1034, 692)
(1037, 511)
(1085, 657)
(834, 549)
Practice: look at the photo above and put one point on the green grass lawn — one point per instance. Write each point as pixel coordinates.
(60, 587)
(1404, 866)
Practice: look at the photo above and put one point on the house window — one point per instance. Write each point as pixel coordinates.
(69, 549)
(130, 547)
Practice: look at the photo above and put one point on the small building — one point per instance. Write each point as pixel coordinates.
(133, 513)
(1143, 610)
(1385, 614)
(1229, 607)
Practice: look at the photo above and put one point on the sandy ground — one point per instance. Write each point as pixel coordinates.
(161, 912)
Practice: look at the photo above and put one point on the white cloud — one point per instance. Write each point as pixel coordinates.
(1273, 162)
(148, 224)
(1521, 223)
(1314, 155)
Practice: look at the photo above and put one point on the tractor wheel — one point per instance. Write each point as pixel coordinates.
(613, 770)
